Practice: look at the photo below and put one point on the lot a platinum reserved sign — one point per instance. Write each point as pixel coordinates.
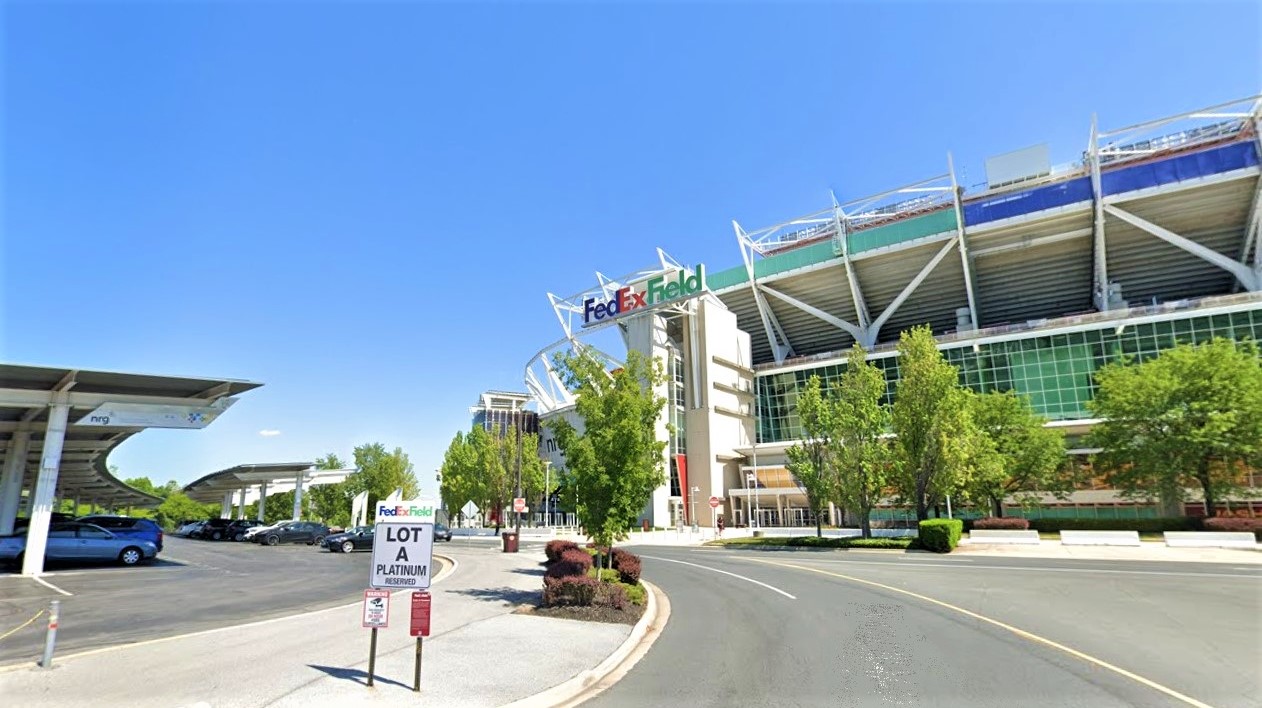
(402, 555)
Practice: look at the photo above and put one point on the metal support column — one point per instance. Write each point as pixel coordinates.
(262, 499)
(241, 504)
(1100, 279)
(11, 481)
(298, 496)
(42, 497)
(965, 258)
(225, 509)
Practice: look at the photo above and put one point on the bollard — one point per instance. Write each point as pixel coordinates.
(50, 639)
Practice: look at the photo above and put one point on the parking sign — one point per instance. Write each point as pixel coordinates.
(376, 608)
(402, 555)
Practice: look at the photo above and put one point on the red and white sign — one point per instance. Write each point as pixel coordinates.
(421, 602)
(715, 502)
(376, 608)
(519, 504)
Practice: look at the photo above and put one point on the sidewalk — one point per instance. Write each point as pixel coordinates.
(479, 654)
(1146, 551)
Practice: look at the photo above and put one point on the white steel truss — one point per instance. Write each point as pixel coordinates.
(1249, 277)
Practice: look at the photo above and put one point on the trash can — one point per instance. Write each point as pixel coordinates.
(644, 525)
(510, 542)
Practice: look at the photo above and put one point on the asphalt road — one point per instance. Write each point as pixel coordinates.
(1192, 629)
(194, 585)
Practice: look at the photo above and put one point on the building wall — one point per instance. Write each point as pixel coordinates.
(1055, 370)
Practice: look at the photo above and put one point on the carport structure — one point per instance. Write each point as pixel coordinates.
(240, 482)
(58, 425)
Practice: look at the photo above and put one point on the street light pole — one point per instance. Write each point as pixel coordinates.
(692, 502)
(517, 528)
(547, 490)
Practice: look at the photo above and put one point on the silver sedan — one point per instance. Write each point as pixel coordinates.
(75, 541)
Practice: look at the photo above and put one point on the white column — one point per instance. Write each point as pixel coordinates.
(832, 514)
(225, 509)
(262, 499)
(241, 504)
(41, 500)
(298, 496)
(11, 481)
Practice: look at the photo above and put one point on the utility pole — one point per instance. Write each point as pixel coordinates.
(517, 529)
(547, 491)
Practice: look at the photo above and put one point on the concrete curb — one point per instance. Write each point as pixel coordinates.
(450, 567)
(589, 683)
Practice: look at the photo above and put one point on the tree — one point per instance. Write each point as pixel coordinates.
(1031, 457)
(862, 451)
(177, 507)
(1191, 417)
(527, 455)
(461, 483)
(936, 439)
(614, 465)
(331, 503)
(380, 472)
(811, 461)
(491, 465)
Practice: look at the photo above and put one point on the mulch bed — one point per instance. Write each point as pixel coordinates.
(631, 615)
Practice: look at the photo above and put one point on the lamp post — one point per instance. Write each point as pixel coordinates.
(547, 490)
(517, 527)
(692, 503)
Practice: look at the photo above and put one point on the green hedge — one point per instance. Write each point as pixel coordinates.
(941, 535)
(1142, 525)
(817, 542)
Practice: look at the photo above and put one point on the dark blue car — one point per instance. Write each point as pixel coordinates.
(128, 527)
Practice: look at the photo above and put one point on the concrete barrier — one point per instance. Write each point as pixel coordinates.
(1100, 538)
(1003, 536)
(1210, 539)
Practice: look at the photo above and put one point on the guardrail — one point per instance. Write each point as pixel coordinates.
(1100, 538)
(1003, 536)
(1210, 539)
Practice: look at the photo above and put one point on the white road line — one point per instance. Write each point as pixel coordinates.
(903, 566)
(724, 572)
(50, 586)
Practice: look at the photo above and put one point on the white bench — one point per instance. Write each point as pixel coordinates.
(1003, 536)
(1211, 539)
(1100, 538)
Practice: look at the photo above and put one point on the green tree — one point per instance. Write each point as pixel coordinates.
(380, 472)
(1031, 457)
(811, 460)
(510, 457)
(461, 482)
(178, 507)
(936, 439)
(862, 451)
(614, 465)
(1191, 417)
(278, 507)
(491, 469)
(330, 503)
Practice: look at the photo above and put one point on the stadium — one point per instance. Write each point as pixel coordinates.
(1031, 281)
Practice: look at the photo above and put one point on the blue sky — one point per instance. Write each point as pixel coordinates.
(363, 205)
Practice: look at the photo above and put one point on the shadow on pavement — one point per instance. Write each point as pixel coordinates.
(355, 675)
(56, 566)
(509, 596)
(537, 572)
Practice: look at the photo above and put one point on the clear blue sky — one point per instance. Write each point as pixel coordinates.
(363, 205)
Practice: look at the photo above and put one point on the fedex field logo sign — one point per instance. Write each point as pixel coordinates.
(405, 511)
(646, 294)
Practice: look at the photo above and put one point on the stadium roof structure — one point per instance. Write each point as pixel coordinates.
(104, 409)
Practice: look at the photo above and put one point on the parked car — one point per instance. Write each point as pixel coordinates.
(357, 538)
(188, 528)
(237, 529)
(213, 530)
(55, 518)
(442, 533)
(81, 542)
(250, 534)
(308, 532)
(128, 527)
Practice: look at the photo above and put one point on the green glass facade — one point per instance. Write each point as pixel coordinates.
(1055, 371)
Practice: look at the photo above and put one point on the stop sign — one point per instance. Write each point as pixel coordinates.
(519, 504)
(715, 502)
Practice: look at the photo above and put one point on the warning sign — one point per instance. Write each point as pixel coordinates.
(402, 555)
(376, 608)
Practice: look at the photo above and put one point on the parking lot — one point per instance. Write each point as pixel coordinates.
(192, 586)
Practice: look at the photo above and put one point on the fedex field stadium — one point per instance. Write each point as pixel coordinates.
(1031, 281)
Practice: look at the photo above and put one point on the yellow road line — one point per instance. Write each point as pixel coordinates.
(1015, 630)
(20, 626)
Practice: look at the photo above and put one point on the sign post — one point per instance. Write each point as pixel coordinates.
(421, 602)
(376, 615)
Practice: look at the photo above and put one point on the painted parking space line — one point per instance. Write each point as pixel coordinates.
(1037, 569)
(50, 586)
(1007, 627)
(724, 572)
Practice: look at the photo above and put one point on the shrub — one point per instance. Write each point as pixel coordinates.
(627, 564)
(1008, 523)
(572, 562)
(1227, 523)
(571, 590)
(554, 549)
(607, 575)
(636, 593)
(1140, 525)
(611, 595)
(940, 535)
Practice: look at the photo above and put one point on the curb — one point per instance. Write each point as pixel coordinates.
(588, 684)
(450, 567)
